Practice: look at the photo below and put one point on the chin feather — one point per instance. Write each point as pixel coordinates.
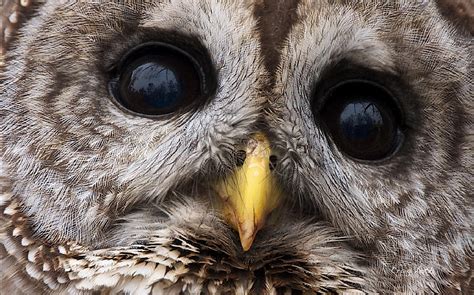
(187, 248)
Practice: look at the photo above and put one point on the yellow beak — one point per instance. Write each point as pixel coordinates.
(251, 192)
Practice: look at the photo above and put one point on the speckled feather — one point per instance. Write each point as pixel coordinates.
(95, 199)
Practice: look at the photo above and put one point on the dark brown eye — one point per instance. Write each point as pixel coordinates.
(157, 79)
(363, 119)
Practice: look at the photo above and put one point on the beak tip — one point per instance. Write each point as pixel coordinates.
(246, 248)
(246, 238)
(246, 244)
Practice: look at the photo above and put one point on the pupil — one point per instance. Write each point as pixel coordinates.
(362, 119)
(155, 85)
(158, 83)
(361, 122)
(158, 79)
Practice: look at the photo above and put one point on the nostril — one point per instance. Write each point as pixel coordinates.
(240, 156)
(273, 161)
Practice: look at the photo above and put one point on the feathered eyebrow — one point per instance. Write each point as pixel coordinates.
(377, 56)
(187, 42)
(366, 49)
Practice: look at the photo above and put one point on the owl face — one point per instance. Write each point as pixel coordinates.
(276, 145)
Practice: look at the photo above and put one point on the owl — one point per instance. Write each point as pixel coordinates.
(236, 147)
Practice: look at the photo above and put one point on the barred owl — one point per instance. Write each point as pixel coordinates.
(236, 147)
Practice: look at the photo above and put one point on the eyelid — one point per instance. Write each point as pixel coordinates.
(124, 44)
(346, 71)
(147, 45)
(323, 99)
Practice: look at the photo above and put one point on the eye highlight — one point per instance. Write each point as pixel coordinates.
(157, 79)
(363, 119)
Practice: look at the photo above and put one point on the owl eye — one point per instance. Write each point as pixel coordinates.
(363, 120)
(157, 79)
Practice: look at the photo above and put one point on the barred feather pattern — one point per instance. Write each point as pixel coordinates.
(96, 199)
(168, 263)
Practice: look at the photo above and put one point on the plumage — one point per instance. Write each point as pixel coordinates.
(243, 173)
